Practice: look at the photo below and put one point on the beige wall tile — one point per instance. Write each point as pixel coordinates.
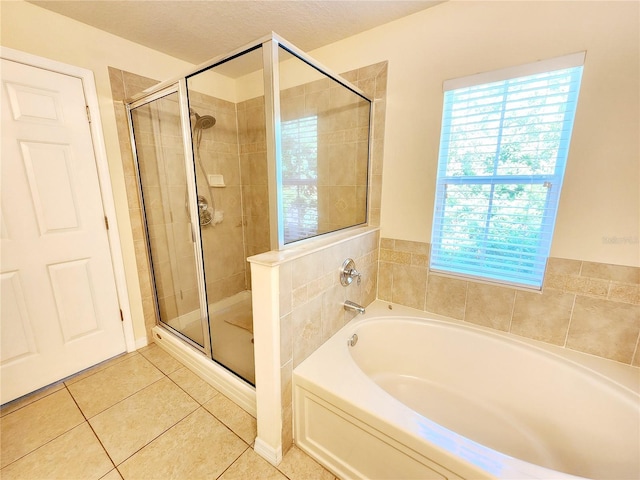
(617, 273)
(307, 329)
(287, 429)
(597, 288)
(446, 296)
(286, 338)
(554, 281)
(419, 248)
(543, 316)
(385, 281)
(575, 284)
(299, 296)
(409, 285)
(626, 293)
(490, 305)
(563, 266)
(394, 256)
(604, 328)
(333, 313)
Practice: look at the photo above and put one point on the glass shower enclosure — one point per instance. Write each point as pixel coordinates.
(250, 152)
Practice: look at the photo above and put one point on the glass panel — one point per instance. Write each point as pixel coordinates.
(229, 146)
(159, 146)
(325, 151)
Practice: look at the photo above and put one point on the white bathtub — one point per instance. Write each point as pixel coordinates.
(429, 397)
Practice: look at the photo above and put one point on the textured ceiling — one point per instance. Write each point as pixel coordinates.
(198, 30)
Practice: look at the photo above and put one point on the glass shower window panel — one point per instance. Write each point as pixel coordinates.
(159, 147)
(324, 128)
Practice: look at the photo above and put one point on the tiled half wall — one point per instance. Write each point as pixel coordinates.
(585, 306)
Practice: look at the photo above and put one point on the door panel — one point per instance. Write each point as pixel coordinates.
(59, 311)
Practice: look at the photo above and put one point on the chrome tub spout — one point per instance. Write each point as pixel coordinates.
(350, 306)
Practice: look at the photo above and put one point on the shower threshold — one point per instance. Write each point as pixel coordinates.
(230, 385)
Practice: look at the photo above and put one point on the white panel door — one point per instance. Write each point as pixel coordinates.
(59, 309)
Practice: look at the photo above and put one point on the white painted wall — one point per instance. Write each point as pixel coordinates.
(600, 202)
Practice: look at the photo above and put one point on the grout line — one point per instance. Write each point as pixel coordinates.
(566, 336)
(234, 461)
(513, 309)
(102, 445)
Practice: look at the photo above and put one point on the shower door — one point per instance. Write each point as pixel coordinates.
(173, 243)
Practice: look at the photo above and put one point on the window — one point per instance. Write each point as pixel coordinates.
(503, 149)
(300, 178)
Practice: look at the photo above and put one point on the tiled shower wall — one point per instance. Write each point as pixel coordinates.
(161, 159)
(226, 269)
(223, 242)
(252, 144)
(585, 306)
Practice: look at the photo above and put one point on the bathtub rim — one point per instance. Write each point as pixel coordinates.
(404, 425)
(623, 375)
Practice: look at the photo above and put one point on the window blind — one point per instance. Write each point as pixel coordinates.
(503, 151)
(300, 178)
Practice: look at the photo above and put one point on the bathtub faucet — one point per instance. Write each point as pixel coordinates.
(350, 306)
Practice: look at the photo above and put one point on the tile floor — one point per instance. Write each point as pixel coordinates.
(142, 415)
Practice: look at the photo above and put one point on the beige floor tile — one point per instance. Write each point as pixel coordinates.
(197, 447)
(76, 454)
(96, 368)
(104, 389)
(191, 383)
(297, 465)
(36, 424)
(28, 399)
(251, 466)
(234, 417)
(161, 359)
(134, 422)
(112, 475)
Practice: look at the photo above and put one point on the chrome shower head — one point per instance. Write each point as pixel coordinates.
(204, 122)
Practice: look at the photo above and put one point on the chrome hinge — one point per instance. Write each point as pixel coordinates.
(106, 222)
(88, 113)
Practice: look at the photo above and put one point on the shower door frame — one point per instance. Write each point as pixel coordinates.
(271, 77)
(179, 88)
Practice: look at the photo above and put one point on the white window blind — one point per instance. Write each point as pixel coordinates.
(503, 150)
(300, 178)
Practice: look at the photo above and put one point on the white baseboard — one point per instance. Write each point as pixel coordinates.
(271, 455)
(141, 342)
